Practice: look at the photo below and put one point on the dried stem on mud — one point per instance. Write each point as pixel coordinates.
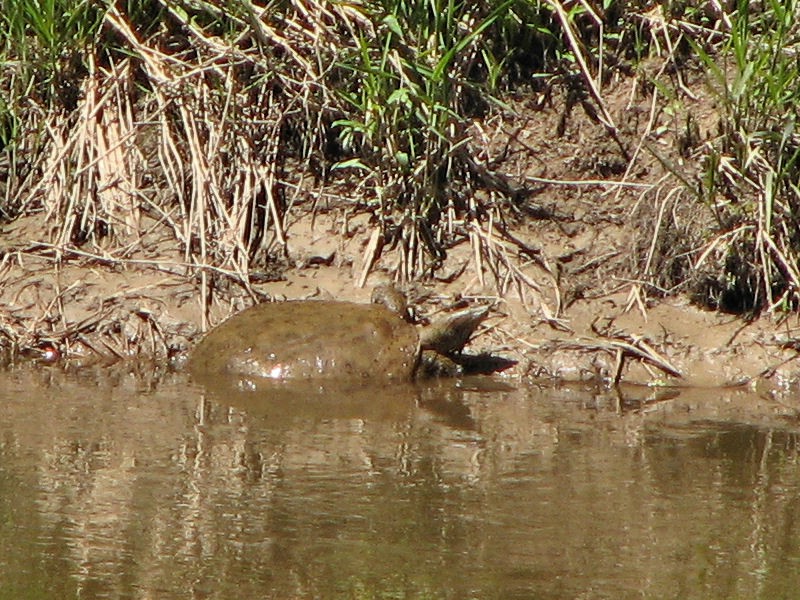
(215, 122)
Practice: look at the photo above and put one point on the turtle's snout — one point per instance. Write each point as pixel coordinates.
(449, 334)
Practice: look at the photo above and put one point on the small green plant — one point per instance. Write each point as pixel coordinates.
(751, 170)
(46, 41)
(207, 117)
(410, 90)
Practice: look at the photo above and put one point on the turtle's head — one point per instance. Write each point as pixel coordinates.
(391, 298)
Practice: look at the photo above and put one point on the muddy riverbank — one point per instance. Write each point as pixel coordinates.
(100, 311)
(560, 262)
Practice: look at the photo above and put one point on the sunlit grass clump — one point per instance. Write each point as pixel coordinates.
(216, 121)
(750, 169)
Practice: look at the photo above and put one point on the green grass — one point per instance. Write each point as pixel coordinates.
(751, 168)
(192, 113)
(410, 93)
(230, 95)
(42, 43)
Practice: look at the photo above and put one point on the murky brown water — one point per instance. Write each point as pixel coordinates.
(114, 488)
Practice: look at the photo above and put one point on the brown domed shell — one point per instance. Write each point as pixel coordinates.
(309, 340)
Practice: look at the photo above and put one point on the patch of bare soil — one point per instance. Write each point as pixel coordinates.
(559, 270)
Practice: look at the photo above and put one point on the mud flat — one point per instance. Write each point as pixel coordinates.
(98, 311)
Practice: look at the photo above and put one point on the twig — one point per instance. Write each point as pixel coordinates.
(636, 348)
(606, 119)
(593, 182)
(161, 265)
(370, 255)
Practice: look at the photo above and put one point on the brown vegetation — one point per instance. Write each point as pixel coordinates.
(190, 177)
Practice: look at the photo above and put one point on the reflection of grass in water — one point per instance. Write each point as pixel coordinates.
(30, 568)
(540, 496)
(387, 589)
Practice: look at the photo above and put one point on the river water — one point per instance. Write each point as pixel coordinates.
(122, 486)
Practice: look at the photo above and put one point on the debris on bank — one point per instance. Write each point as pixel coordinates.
(81, 311)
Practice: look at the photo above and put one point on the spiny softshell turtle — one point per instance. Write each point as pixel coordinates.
(316, 339)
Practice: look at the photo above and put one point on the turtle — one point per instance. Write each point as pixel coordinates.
(329, 340)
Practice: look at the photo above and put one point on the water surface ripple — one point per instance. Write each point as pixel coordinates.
(122, 487)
